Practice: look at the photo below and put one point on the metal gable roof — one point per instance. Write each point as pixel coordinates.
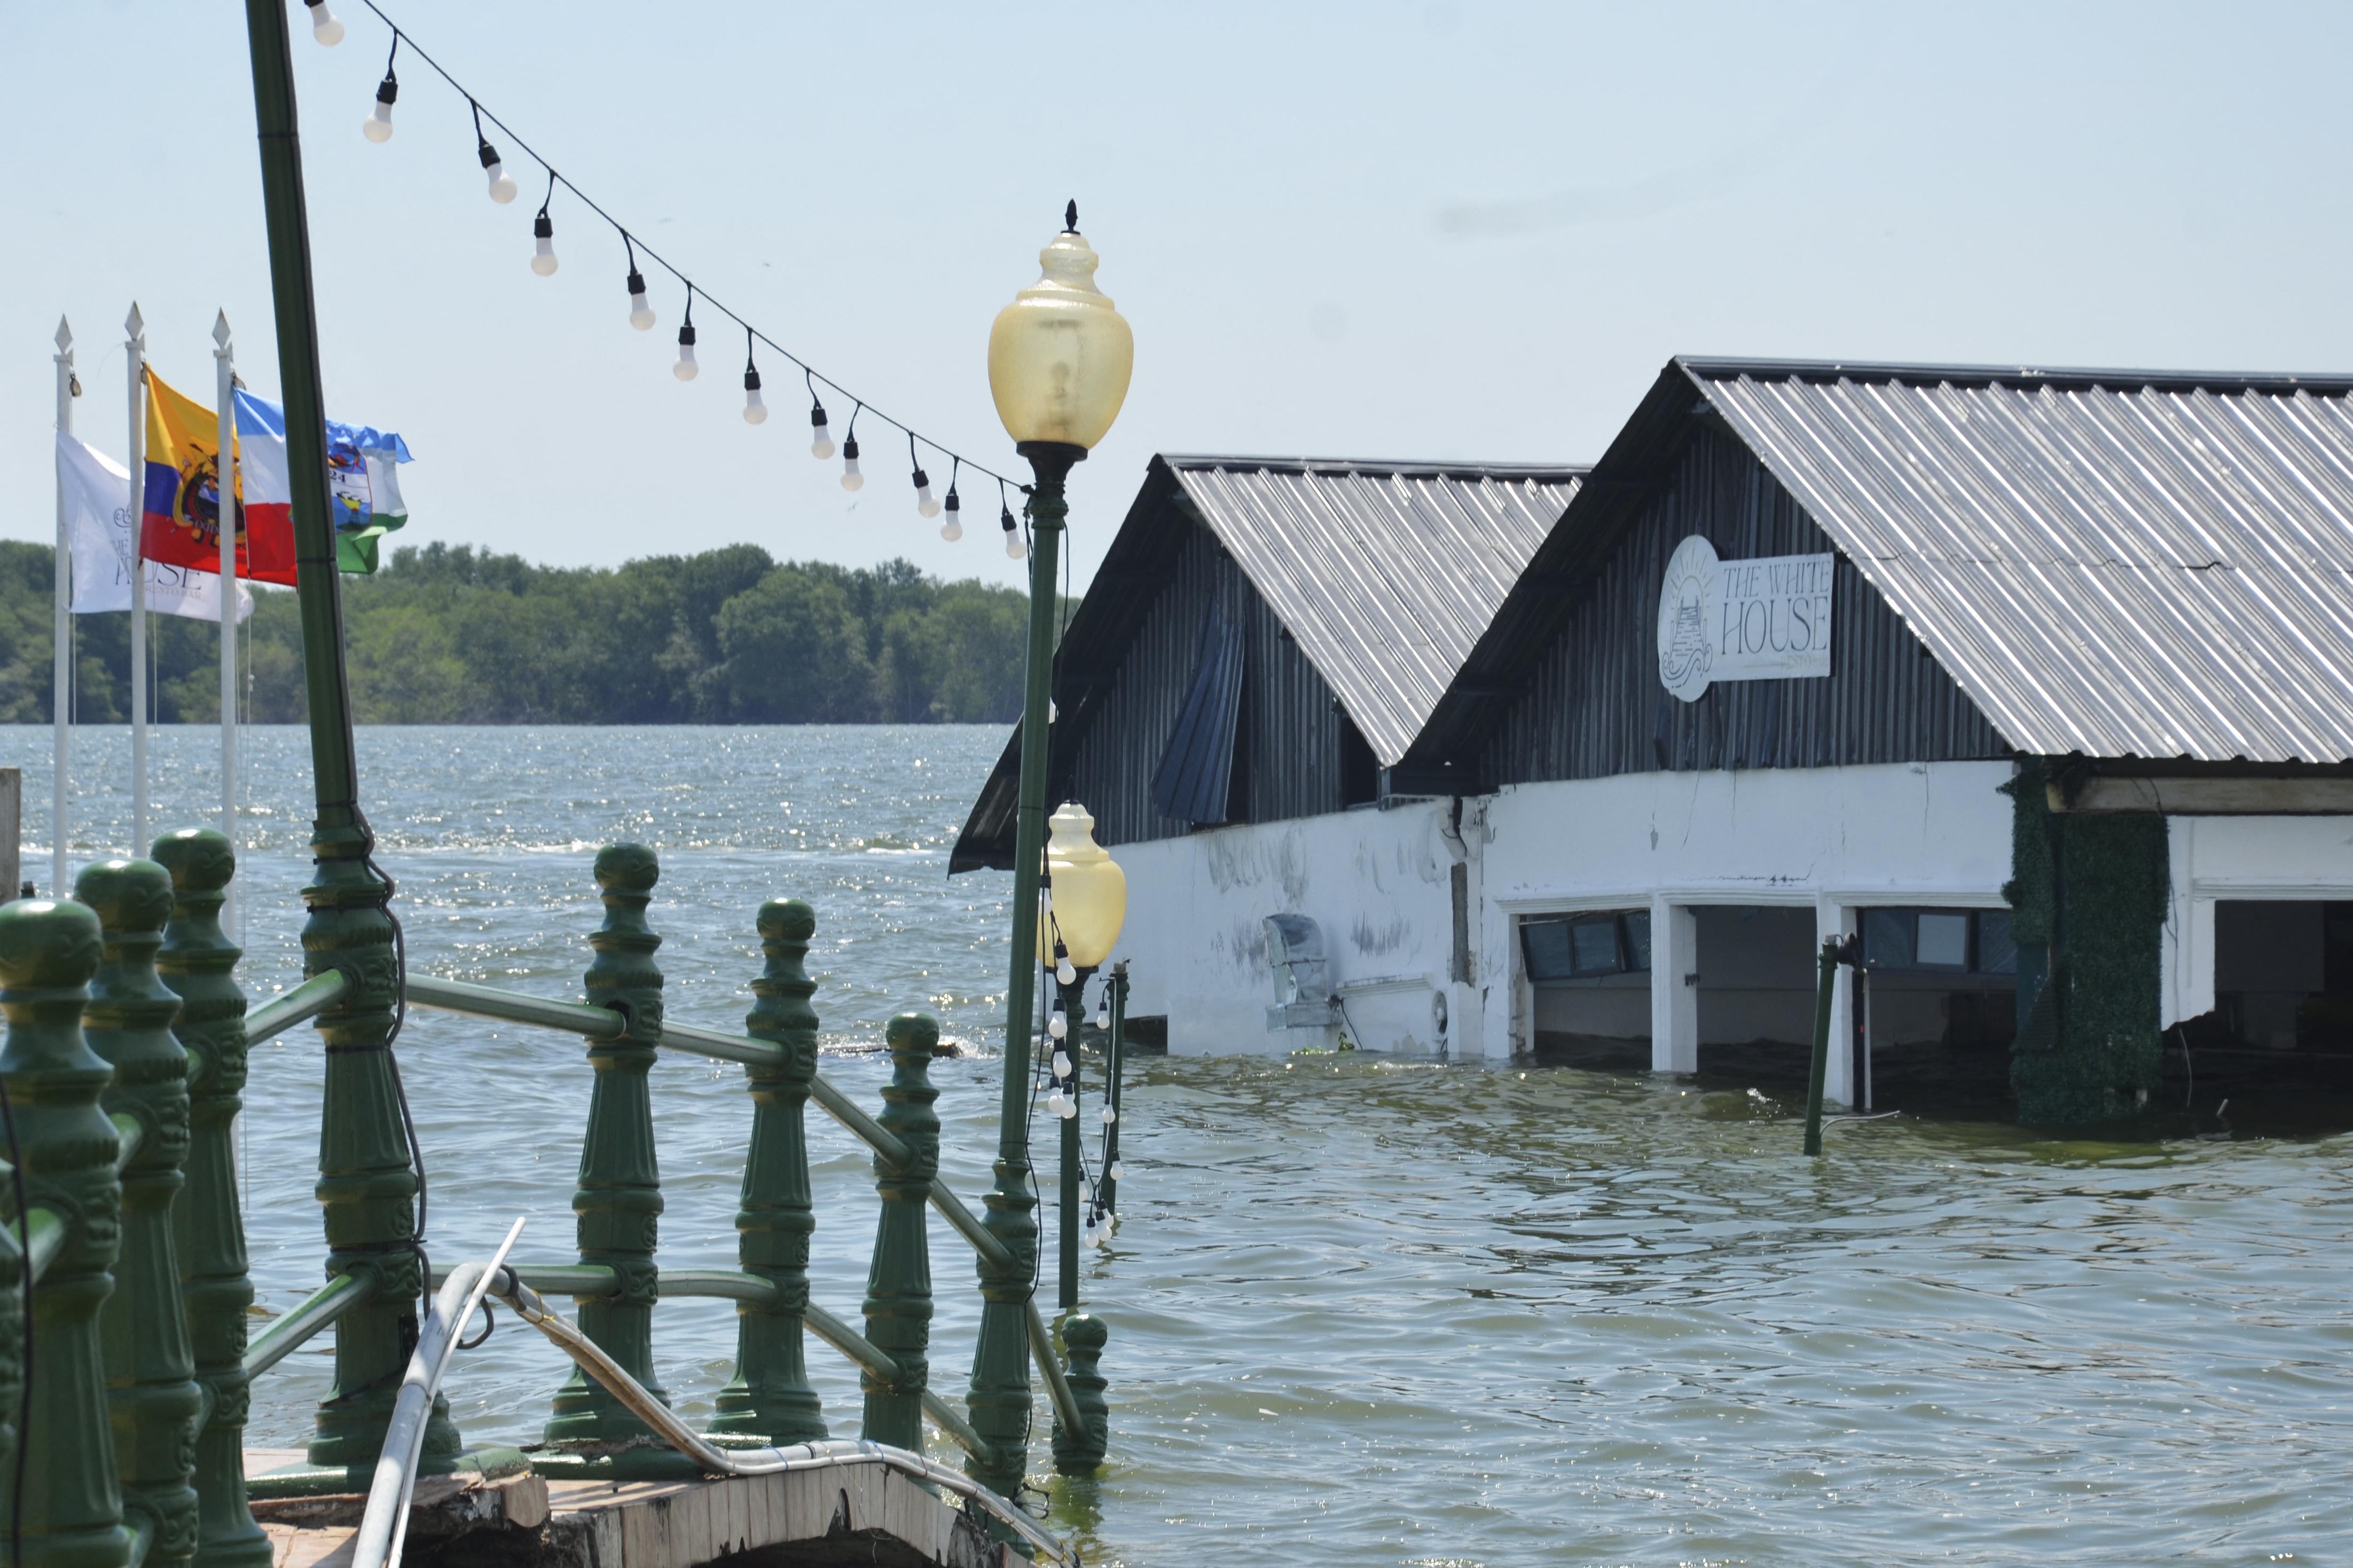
(2119, 563)
(1386, 573)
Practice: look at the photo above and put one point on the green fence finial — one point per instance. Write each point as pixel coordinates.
(1082, 1453)
(618, 1200)
(150, 1372)
(770, 1396)
(198, 960)
(899, 1282)
(73, 1508)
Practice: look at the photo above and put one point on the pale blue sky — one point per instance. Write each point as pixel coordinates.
(1418, 230)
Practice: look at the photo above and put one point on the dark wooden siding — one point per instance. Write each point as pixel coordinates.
(1593, 705)
(1288, 754)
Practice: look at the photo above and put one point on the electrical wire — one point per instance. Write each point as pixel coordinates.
(24, 1307)
(402, 35)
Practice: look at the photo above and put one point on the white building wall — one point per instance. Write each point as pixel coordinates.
(1835, 840)
(1377, 882)
(2219, 858)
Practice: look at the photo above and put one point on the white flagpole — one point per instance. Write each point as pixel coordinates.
(61, 689)
(134, 350)
(224, 386)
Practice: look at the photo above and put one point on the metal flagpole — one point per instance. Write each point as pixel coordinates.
(134, 353)
(225, 387)
(61, 689)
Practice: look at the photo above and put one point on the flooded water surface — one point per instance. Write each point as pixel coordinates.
(1362, 1310)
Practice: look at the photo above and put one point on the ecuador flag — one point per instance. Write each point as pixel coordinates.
(182, 522)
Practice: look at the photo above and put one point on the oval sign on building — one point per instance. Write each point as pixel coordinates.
(1766, 620)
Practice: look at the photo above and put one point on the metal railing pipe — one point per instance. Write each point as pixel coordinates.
(317, 1311)
(1049, 1367)
(512, 1008)
(299, 1005)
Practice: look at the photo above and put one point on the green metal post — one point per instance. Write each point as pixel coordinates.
(1823, 989)
(12, 1335)
(150, 1373)
(899, 1282)
(999, 1399)
(366, 1184)
(619, 1200)
(72, 1506)
(1082, 1453)
(196, 961)
(770, 1398)
(1068, 1199)
(1114, 1067)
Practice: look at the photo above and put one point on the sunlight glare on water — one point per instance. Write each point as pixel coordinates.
(1362, 1310)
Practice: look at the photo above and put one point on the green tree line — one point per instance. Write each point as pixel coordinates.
(467, 636)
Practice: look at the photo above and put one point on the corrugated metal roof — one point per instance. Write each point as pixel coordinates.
(1386, 573)
(2118, 564)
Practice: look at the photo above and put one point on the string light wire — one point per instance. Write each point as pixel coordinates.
(403, 37)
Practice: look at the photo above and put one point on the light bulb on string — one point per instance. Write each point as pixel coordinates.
(851, 478)
(1118, 1170)
(378, 126)
(1061, 1062)
(754, 410)
(1102, 1014)
(820, 438)
(641, 310)
(1069, 1109)
(1013, 546)
(1054, 1101)
(1109, 1115)
(1064, 971)
(952, 529)
(1059, 1028)
(502, 186)
(543, 229)
(686, 369)
(326, 28)
(925, 505)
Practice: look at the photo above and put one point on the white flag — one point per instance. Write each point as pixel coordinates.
(97, 491)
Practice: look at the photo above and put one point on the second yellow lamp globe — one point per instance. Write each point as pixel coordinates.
(1060, 354)
(1088, 898)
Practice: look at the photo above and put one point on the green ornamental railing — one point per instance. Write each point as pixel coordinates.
(124, 1067)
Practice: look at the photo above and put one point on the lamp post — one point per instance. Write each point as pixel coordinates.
(1086, 903)
(1059, 360)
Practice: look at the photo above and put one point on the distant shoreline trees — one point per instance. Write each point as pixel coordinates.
(457, 636)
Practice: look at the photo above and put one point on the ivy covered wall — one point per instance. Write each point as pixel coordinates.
(2088, 896)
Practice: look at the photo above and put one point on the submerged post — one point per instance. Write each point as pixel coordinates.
(1082, 1453)
(73, 1514)
(150, 1373)
(1823, 989)
(999, 1398)
(619, 1199)
(196, 961)
(770, 1396)
(1072, 1155)
(367, 1182)
(899, 1282)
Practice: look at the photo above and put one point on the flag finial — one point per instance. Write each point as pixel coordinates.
(65, 337)
(134, 323)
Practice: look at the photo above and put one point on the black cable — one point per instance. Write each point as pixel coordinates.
(489, 1323)
(24, 1395)
(399, 1088)
(401, 35)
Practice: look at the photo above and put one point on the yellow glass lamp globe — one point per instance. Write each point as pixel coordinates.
(1060, 356)
(1090, 891)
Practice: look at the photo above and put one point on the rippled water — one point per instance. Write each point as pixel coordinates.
(1362, 1310)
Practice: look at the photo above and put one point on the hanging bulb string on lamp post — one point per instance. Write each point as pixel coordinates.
(543, 229)
(641, 310)
(754, 411)
(322, 23)
(378, 126)
(851, 480)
